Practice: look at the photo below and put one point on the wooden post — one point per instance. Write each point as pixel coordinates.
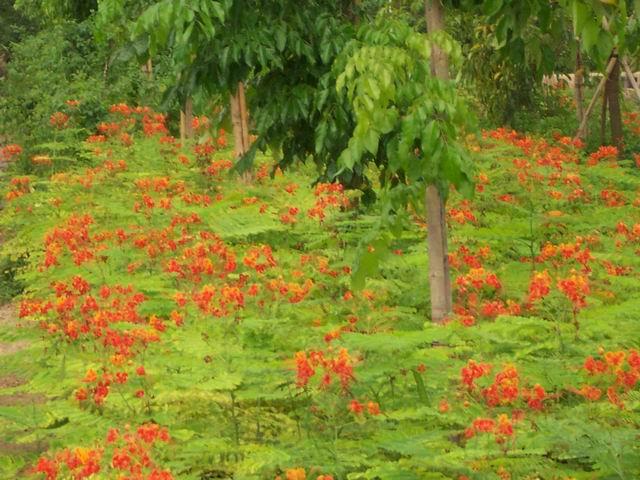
(439, 275)
(631, 77)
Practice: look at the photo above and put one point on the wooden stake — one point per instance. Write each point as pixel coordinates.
(632, 79)
(587, 113)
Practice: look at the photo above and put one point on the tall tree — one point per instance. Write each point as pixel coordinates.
(439, 277)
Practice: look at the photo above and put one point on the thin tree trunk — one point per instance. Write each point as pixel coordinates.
(182, 127)
(439, 276)
(244, 117)
(578, 83)
(149, 69)
(240, 121)
(612, 91)
(188, 118)
(603, 118)
(587, 113)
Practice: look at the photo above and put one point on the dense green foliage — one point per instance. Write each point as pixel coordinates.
(168, 318)
(229, 378)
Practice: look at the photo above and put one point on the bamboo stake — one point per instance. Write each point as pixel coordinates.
(632, 79)
(599, 88)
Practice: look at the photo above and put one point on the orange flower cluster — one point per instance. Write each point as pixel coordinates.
(339, 366)
(328, 195)
(19, 186)
(603, 153)
(358, 408)
(539, 286)
(73, 237)
(502, 428)
(107, 318)
(216, 167)
(300, 474)
(59, 120)
(575, 287)
(462, 214)
(616, 371)
(464, 255)
(473, 371)
(253, 256)
(612, 198)
(9, 151)
(126, 455)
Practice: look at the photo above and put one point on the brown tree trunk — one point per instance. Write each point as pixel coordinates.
(612, 92)
(240, 121)
(603, 118)
(439, 276)
(592, 103)
(578, 83)
(188, 118)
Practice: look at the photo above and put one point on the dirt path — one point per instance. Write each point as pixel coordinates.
(8, 318)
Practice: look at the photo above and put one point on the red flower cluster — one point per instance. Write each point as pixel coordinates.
(328, 195)
(19, 186)
(616, 371)
(339, 366)
(253, 256)
(9, 151)
(462, 214)
(502, 428)
(59, 120)
(603, 153)
(358, 408)
(127, 455)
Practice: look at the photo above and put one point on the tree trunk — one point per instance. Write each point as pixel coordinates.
(188, 118)
(592, 103)
(149, 69)
(578, 83)
(612, 92)
(439, 277)
(240, 121)
(603, 118)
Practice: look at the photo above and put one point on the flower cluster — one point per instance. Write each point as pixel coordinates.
(615, 372)
(339, 366)
(124, 454)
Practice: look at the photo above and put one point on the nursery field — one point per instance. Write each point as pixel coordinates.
(181, 321)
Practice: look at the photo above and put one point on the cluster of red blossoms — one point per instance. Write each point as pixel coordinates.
(603, 153)
(476, 291)
(59, 120)
(506, 388)
(127, 455)
(301, 474)
(462, 213)
(9, 151)
(328, 195)
(19, 186)
(617, 372)
(338, 366)
(501, 428)
(357, 408)
(107, 318)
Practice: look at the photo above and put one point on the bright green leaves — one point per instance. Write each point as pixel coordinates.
(399, 105)
(183, 27)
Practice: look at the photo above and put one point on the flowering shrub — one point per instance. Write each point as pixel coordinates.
(163, 290)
